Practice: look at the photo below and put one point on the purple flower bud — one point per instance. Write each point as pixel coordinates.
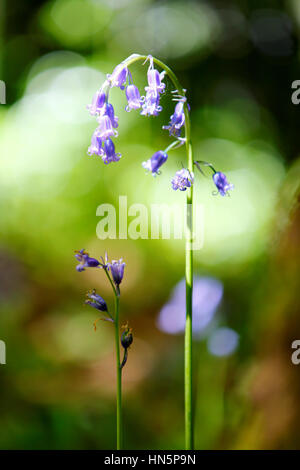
(117, 271)
(96, 301)
(126, 338)
(118, 77)
(96, 144)
(182, 180)
(177, 120)
(133, 98)
(105, 128)
(222, 183)
(109, 152)
(97, 103)
(155, 162)
(85, 261)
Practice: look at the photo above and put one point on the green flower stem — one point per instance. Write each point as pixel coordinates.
(118, 363)
(189, 438)
(111, 282)
(119, 377)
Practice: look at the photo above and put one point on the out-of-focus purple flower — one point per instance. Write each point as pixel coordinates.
(96, 144)
(110, 112)
(133, 98)
(223, 342)
(109, 154)
(177, 120)
(117, 271)
(97, 103)
(222, 183)
(85, 261)
(96, 301)
(118, 77)
(182, 180)
(207, 295)
(155, 87)
(155, 162)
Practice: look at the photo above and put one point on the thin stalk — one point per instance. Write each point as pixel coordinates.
(111, 283)
(118, 363)
(174, 145)
(119, 377)
(2, 31)
(188, 365)
(189, 435)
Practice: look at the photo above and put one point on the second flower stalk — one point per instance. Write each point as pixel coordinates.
(114, 272)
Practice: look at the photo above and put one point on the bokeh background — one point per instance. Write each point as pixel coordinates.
(237, 61)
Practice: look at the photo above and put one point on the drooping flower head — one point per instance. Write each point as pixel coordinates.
(133, 98)
(117, 271)
(96, 301)
(97, 102)
(222, 183)
(96, 144)
(85, 261)
(151, 106)
(155, 78)
(105, 128)
(109, 154)
(177, 119)
(182, 180)
(110, 112)
(155, 87)
(155, 162)
(118, 77)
